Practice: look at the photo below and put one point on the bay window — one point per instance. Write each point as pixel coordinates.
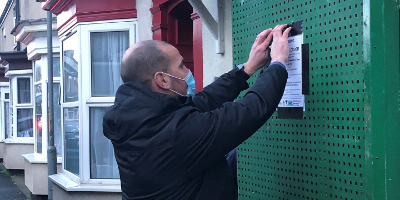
(5, 111)
(70, 54)
(92, 54)
(21, 106)
(37, 77)
(41, 102)
(24, 108)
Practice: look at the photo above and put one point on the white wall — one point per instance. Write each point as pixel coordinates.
(145, 19)
(1, 149)
(13, 155)
(213, 64)
(216, 64)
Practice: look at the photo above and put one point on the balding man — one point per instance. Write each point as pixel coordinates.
(170, 143)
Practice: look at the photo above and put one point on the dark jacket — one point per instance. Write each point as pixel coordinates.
(169, 148)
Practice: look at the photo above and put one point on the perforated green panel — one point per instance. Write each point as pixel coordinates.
(323, 155)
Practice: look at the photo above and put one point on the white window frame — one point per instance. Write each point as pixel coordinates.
(93, 102)
(74, 30)
(2, 130)
(4, 90)
(15, 88)
(44, 83)
(16, 106)
(85, 101)
(34, 107)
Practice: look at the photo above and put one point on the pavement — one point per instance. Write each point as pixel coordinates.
(12, 185)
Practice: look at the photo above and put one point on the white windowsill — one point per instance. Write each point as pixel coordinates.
(35, 158)
(19, 141)
(26, 72)
(71, 186)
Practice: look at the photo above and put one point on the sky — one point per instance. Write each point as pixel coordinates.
(2, 4)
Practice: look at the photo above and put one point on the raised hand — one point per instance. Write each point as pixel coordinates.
(259, 52)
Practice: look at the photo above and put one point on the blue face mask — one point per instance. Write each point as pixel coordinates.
(189, 79)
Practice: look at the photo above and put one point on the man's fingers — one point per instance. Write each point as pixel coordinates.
(278, 30)
(261, 37)
(286, 33)
(267, 41)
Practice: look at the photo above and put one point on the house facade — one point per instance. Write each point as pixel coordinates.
(345, 147)
(17, 135)
(89, 34)
(89, 40)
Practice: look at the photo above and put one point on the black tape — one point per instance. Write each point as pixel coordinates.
(290, 112)
(297, 28)
(305, 65)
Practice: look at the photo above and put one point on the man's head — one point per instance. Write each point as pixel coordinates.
(148, 62)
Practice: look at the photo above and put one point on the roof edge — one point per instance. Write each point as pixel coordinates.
(5, 11)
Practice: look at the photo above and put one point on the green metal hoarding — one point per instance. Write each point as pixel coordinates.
(347, 146)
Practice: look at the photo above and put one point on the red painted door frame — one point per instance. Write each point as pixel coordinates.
(198, 50)
(166, 28)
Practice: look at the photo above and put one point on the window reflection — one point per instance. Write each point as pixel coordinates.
(70, 68)
(57, 118)
(38, 71)
(7, 119)
(24, 90)
(56, 66)
(71, 140)
(38, 115)
(25, 122)
(102, 161)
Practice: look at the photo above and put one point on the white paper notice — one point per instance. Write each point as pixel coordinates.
(293, 97)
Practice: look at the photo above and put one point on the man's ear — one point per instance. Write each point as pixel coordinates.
(162, 80)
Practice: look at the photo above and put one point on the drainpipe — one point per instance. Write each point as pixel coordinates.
(17, 19)
(51, 150)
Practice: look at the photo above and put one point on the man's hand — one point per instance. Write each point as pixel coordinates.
(280, 46)
(259, 52)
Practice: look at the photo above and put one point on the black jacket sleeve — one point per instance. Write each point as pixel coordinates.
(201, 138)
(225, 89)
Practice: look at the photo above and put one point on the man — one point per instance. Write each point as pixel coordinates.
(169, 146)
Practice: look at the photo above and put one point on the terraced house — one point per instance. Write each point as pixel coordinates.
(341, 144)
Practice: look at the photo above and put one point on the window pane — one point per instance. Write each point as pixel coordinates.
(7, 96)
(71, 141)
(56, 66)
(38, 71)
(7, 119)
(57, 118)
(25, 122)
(102, 161)
(107, 49)
(12, 95)
(70, 68)
(24, 90)
(38, 115)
